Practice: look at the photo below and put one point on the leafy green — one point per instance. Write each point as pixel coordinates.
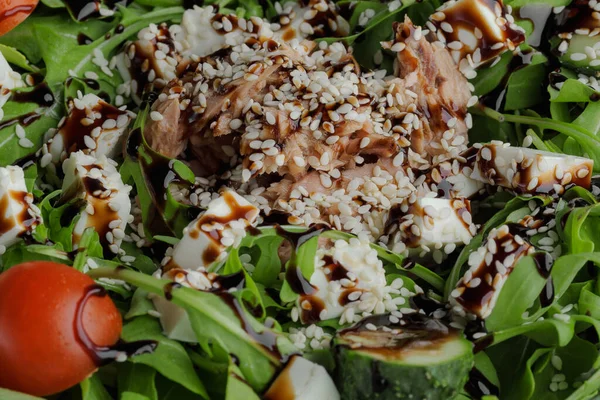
(11, 395)
(214, 320)
(169, 359)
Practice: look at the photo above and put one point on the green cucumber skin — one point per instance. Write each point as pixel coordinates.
(361, 377)
(577, 45)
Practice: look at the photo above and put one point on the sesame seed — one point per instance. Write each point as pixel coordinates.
(156, 116)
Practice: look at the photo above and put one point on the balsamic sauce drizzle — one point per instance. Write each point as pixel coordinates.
(478, 385)
(105, 354)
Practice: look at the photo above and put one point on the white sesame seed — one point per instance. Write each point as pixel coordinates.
(156, 116)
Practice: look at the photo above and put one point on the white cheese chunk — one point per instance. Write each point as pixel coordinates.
(432, 223)
(222, 225)
(452, 178)
(9, 80)
(303, 380)
(348, 281)
(204, 241)
(98, 183)
(475, 31)
(527, 170)
(489, 268)
(18, 214)
(200, 38)
(92, 126)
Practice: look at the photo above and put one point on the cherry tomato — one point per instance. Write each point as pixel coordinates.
(41, 348)
(13, 12)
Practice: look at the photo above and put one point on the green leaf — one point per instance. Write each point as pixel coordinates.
(93, 389)
(525, 85)
(522, 288)
(137, 379)
(140, 304)
(6, 394)
(169, 359)
(213, 319)
(14, 57)
(267, 264)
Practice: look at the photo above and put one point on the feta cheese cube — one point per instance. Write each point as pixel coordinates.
(92, 126)
(476, 31)
(489, 267)
(433, 223)
(204, 241)
(452, 179)
(308, 381)
(222, 225)
(9, 80)
(18, 214)
(527, 170)
(97, 182)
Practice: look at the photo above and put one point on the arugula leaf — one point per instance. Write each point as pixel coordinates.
(92, 389)
(214, 320)
(137, 379)
(11, 395)
(169, 359)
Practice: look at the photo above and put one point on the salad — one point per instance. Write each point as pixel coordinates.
(310, 199)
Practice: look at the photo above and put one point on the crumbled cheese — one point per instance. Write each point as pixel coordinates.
(92, 126)
(107, 206)
(527, 170)
(222, 225)
(18, 214)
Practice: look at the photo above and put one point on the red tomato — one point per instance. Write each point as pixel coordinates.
(13, 12)
(41, 351)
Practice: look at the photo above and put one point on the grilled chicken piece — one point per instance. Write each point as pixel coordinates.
(335, 144)
(441, 91)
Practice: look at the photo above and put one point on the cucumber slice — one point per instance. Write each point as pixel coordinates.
(417, 358)
(576, 56)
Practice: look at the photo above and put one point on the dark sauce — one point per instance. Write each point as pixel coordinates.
(168, 289)
(84, 39)
(474, 298)
(428, 305)
(187, 4)
(40, 95)
(497, 97)
(267, 338)
(6, 222)
(556, 78)
(24, 120)
(483, 343)
(283, 386)
(344, 297)
(544, 263)
(227, 282)
(311, 307)
(298, 283)
(105, 354)
(92, 84)
(478, 385)
(26, 162)
(465, 16)
(407, 263)
(133, 143)
(337, 271)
